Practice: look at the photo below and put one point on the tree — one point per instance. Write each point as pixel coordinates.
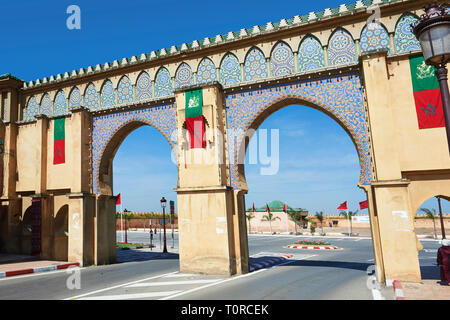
(348, 215)
(296, 217)
(249, 217)
(319, 216)
(430, 214)
(269, 217)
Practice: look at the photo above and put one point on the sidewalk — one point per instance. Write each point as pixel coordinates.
(426, 290)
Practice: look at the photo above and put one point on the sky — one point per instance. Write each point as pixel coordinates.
(319, 167)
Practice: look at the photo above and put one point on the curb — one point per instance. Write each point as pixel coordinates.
(269, 262)
(294, 246)
(398, 290)
(37, 269)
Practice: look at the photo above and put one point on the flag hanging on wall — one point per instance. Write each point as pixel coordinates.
(363, 205)
(427, 95)
(59, 140)
(195, 122)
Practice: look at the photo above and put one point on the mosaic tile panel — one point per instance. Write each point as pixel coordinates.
(91, 99)
(184, 76)
(46, 105)
(310, 54)
(373, 37)
(206, 71)
(163, 83)
(124, 91)
(282, 60)
(230, 70)
(144, 88)
(255, 65)
(339, 95)
(163, 118)
(75, 98)
(107, 95)
(341, 48)
(60, 106)
(32, 109)
(404, 38)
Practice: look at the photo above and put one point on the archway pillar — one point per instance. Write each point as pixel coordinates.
(212, 231)
(105, 230)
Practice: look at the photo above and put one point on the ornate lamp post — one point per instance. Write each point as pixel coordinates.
(163, 205)
(433, 33)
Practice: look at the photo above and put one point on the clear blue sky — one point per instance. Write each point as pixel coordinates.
(318, 167)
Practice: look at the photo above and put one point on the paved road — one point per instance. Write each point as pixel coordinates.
(308, 275)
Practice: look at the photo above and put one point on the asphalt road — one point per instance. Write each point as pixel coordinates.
(309, 275)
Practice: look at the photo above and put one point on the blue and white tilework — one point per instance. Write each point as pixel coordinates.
(404, 38)
(75, 98)
(373, 37)
(341, 48)
(310, 54)
(282, 60)
(32, 109)
(184, 76)
(163, 83)
(255, 65)
(46, 105)
(60, 105)
(230, 70)
(124, 91)
(108, 95)
(91, 99)
(144, 88)
(206, 71)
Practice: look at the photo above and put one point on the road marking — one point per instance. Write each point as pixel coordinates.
(35, 274)
(133, 296)
(118, 286)
(177, 275)
(170, 283)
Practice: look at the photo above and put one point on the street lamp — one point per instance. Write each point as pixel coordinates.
(163, 205)
(433, 33)
(126, 224)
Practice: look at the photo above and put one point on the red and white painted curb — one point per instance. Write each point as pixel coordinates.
(268, 262)
(38, 269)
(398, 290)
(299, 246)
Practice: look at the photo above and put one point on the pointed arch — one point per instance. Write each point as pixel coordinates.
(310, 54)
(163, 83)
(107, 95)
(374, 36)
(124, 91)
(281, 60)
(144, 87)
(32, 109)
(206, 71)
(230, 70)
(46, 105)
(91, 98)
(60, 104)
(184, 76)
(75, 98)
(341, 48)
(255, 65)
(404, 39)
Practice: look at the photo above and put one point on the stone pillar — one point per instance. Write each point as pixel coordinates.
(105, 230)
(212, 234)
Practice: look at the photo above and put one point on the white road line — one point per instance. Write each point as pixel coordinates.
(118, 286)
(133, 296)
(179, 275)
(171, 283)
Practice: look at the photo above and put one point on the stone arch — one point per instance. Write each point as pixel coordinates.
(255, 65)
(32, 109)
(91, 97)
(341, 48)
(230, 70)
(75, 98)
(46, 106)
(374, 36)
(144, 87)
(310, 54)
(163, 83)
(404, 39)
(206, 71)
(60, 104)
(281, 60)
(107, 95)
(184, 76)
(61, 246)
(125, 92)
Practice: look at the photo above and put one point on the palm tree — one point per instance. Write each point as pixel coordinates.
(349, 215)
(430, 214)
(249, 217)
(296, 217)
(269, 217)
(319, 216)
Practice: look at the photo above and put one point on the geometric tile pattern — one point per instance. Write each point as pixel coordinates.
(282, 60)
(404, 38)
(124, 91)
(46, 106)
(163, 83)
(206, 71)
(75, 98)
(108, 95)
(373, 37)
(340, 96)
(60, 105)
(341, 48)
(32, 109)
(310, 54)
(91, 99)
(184, 76)
(255, 65)
(144, 88)
(230, 70)
(162, 117)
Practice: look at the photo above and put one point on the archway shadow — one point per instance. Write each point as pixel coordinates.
(132, 255)
(430, 272)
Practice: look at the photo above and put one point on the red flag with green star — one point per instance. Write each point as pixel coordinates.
(427, 95)
(59, 139)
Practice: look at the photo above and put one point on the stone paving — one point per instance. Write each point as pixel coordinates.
(426, 290)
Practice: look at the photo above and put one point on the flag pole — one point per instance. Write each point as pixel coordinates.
(349, 232)
(121, 218)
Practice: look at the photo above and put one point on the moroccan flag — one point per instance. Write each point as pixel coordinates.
(267, 208)
(363, 205)
(196, 129)
(59, 138)
(118, 199)
(427, 95)
(194, 103)
(343, 206)
(284, 208)
(254, 207)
